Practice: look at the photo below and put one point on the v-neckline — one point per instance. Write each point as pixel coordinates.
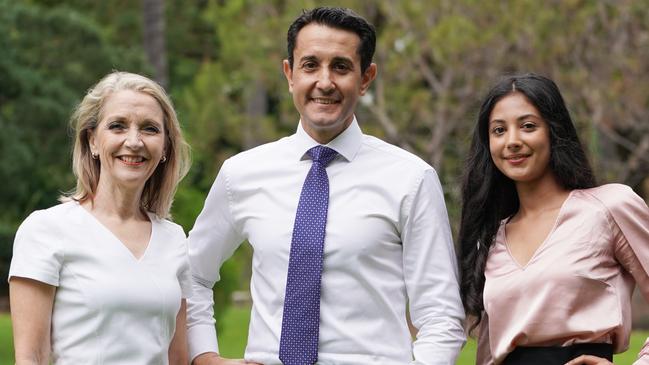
(119, 241)
(543, 243)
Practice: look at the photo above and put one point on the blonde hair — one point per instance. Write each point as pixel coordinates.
(160, 188)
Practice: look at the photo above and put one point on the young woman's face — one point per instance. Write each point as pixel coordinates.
(519, 139)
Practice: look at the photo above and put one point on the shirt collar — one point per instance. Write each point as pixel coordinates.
(346, 143)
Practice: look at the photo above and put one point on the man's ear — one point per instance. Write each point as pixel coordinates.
(288, 72)
(368, 76)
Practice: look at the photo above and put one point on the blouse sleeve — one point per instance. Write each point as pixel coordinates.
(483, 353)
(37, 254)
(631, 215)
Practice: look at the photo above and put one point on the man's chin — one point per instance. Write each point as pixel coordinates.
(324, 121)
(327, 124)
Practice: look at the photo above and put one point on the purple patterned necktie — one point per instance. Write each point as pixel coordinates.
(300, 324)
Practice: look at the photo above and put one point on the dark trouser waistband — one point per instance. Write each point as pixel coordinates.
(557, 355)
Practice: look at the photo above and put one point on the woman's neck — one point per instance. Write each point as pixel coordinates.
(539, 197)
(118, 202)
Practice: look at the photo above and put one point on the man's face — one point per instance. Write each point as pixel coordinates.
(326, 79)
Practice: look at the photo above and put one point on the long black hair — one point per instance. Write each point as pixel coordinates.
(488, 196)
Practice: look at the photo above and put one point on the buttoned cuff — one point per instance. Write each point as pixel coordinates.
(201, 339)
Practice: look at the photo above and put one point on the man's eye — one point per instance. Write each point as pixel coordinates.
(309, 65)
(341, 67)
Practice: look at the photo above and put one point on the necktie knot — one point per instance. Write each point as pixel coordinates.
(322, 154)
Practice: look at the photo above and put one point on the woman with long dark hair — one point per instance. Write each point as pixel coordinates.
(549, 261)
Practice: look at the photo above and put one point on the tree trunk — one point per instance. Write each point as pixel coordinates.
(256, 110)
(154, 39)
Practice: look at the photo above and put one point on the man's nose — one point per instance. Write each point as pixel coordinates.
(325, 81)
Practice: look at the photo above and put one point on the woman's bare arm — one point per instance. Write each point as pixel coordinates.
(31, 317)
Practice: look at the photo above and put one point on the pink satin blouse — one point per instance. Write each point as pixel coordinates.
(577, 286)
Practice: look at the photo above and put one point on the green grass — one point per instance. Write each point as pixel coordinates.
(235, 328)
(232, 340)
(637, 340)
(6, 341)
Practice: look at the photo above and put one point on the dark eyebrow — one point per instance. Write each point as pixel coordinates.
(343, 59)
(522, 117)
(308, 58)
(519, 119)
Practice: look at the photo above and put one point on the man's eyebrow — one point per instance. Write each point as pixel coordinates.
(309, 58)
(343, 59)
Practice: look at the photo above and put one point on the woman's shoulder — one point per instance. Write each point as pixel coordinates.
(612, 194)
(610, 189)
(169, 227)
(616, 198)
(42, 231)
(50, 216)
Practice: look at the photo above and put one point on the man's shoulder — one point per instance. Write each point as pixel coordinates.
(264, 152)
(391, 153)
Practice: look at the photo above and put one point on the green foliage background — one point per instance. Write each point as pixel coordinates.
(436, 59)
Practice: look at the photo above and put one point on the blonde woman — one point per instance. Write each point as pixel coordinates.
(102, 277)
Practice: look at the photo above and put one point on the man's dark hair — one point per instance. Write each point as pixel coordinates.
(340, 18)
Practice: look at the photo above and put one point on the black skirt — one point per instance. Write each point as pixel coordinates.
(557, 355)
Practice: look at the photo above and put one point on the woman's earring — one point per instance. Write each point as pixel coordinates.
(95, 156)
(163, 159)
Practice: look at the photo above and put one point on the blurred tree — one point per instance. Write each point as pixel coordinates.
(437, 57)
(153, 18)
(233, 98)
(50, 56)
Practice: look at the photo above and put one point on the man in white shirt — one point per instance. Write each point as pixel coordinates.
(387, 246)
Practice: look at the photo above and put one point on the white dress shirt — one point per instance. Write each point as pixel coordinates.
(388, 247)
